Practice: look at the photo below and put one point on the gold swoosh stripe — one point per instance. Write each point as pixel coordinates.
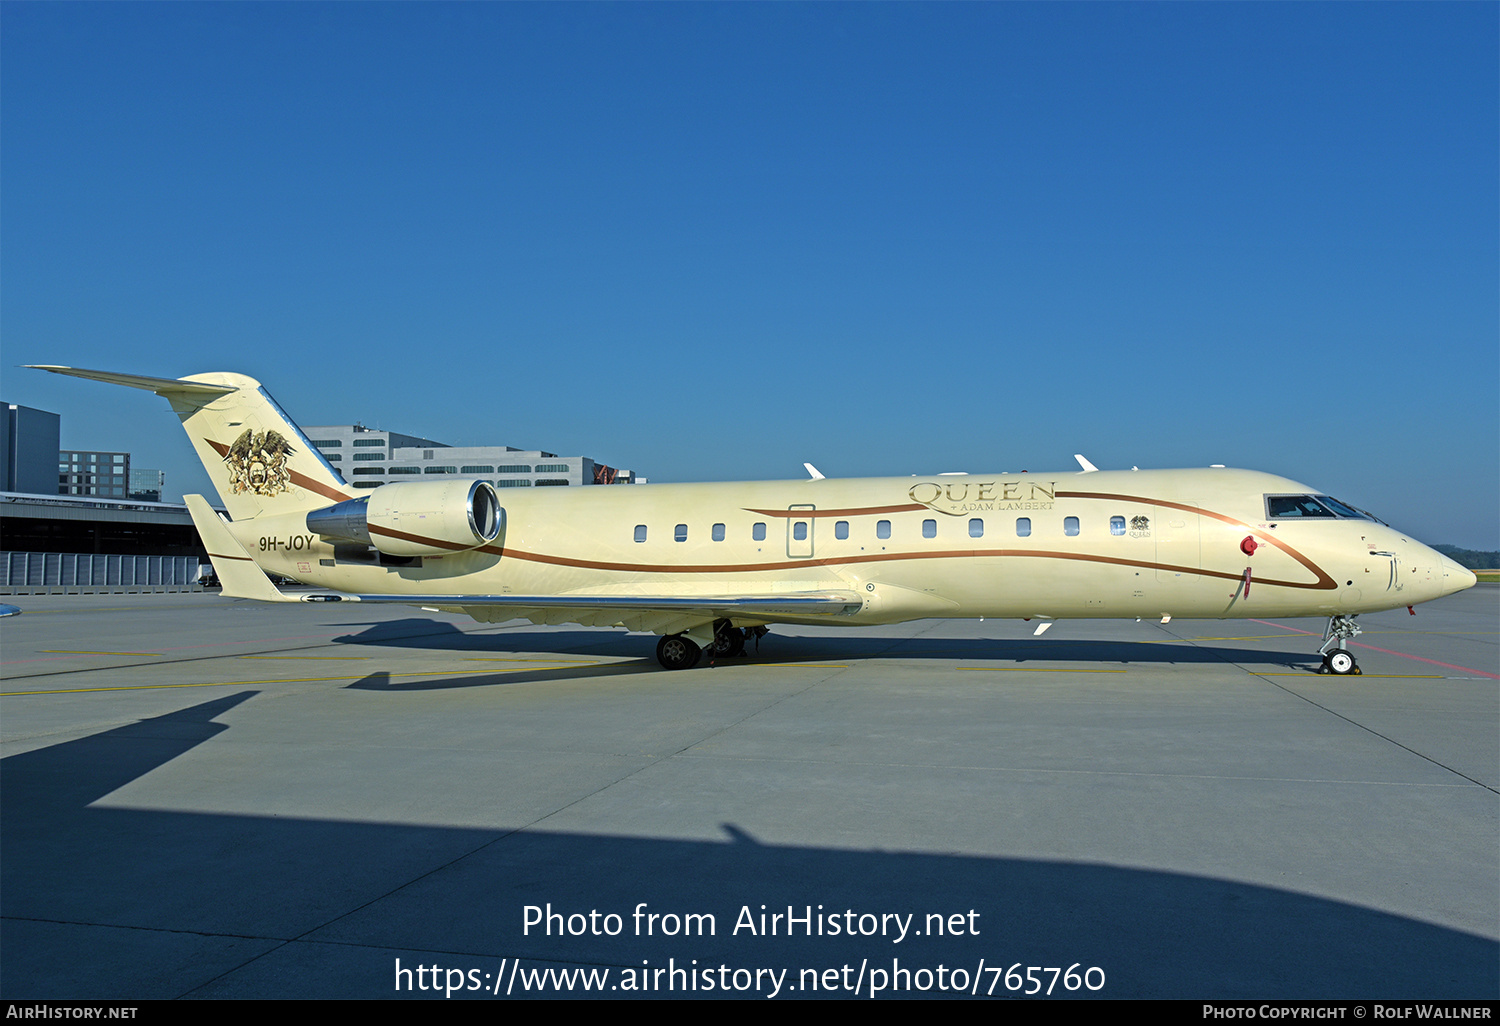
(391, 532)
(853, 511)
(1324, 582)
(880, 557)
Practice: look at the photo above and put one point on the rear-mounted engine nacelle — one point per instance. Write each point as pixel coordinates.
(423, 518)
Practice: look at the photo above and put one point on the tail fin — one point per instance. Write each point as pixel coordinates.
(258, 459)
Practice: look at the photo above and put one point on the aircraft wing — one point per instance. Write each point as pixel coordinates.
(657, 614)
(789, 604)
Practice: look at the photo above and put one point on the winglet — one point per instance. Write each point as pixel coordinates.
(813, 472)
(238, 572)
(1088, 468)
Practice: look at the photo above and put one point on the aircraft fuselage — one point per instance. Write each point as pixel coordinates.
(1065, 545)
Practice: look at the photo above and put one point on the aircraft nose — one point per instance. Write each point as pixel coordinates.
(1455, 578)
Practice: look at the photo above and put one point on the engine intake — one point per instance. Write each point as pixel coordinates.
(422, 518)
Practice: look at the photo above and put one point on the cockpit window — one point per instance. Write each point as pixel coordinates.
(1324, 506)
(1278, 506)
(1343, 509)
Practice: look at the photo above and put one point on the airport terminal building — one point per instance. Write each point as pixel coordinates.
(369, 458)
(75, 518)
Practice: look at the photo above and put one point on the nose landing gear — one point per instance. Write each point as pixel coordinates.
(1336, 658)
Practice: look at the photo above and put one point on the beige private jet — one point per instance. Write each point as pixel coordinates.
(709, 565)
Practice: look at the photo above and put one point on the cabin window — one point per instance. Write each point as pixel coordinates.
(841, 530)
(640, 532)
(882, 529)
(679, 533)
(799, 530)
(758, 532)
(929, 529)
(1117, 525)
(976, 528)
(1070, 526)
(718, 532)
(1023, 527)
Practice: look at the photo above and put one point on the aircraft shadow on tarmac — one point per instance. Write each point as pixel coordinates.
(136, 903)
(381, 680)
(784, 648)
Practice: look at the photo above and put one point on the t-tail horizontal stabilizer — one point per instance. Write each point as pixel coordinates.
(259, 461)
(161, 386)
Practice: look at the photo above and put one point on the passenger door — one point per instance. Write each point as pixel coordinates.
(1177, 545)
(799, 532)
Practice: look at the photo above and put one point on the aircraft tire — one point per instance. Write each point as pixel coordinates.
(675, 652)
(1340, 662)
(728, 643)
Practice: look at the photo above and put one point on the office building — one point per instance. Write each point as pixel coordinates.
(28, 443)
(105, 475)
(368, 458)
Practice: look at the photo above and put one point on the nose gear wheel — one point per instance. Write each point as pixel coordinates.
(1336, 658)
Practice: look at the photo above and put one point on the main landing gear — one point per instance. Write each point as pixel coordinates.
(679, 652)
(1336, 658)
(729, 641)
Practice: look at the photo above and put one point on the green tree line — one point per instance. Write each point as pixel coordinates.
(1471, 558)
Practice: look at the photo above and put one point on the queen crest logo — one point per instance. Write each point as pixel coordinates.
(257, 463)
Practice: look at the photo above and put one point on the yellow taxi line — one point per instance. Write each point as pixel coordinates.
(244, 683)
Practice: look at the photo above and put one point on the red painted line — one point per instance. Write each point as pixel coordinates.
(1420, 659)
(1377, 648)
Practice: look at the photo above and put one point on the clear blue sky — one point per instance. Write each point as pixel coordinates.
(711, 241)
